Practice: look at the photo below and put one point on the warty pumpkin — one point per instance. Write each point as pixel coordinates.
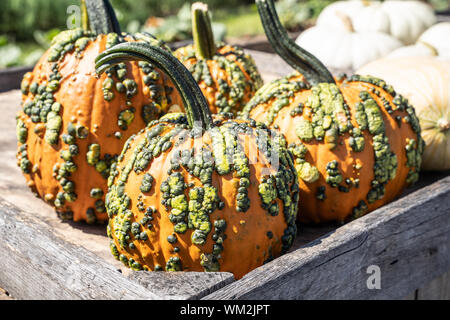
(227, 75)
(197, 192)
(425, 81)
(403, 20)
(73, 125)
(355, 140)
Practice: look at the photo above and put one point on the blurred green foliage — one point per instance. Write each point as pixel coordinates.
(140, 10)
(174, 27)
(22, 40)
(14, 53)
(240, 21)
(440, 5)
(19, 54)
(19, 18)
(295, 14)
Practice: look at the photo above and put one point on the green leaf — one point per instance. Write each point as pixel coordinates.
(33, 57)
(3, 40)
(9, 55)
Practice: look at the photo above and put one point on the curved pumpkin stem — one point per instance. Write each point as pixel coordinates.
(101, 16)
(202, 34)
(194, 101)
(299, 59)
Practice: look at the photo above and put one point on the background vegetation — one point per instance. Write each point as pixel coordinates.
(27, 26)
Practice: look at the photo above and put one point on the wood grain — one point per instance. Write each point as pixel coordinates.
(182, 285)
(10, 78)
(409, 240)
(437, 289)
(14, 190)
(44, 257)
(37, 264)
(24, 278)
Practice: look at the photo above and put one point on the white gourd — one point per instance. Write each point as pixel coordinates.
(425, 82)
(343, 48)
(404, 20)
(435, 41)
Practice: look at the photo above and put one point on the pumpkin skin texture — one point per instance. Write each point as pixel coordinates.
(228, 80)
(356, 144)
(73, 124)
(403, 20)
(227, 76)
(201, 199)
(355, 141)
(425, 81)
(434, 42)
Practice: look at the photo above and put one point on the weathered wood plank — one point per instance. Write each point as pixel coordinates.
(411, 296)
(437, 289)
(443, 16)
(37, 264)
(10, 78)
(310, 263)
(13, 189)
(182, 285)
(409, 240)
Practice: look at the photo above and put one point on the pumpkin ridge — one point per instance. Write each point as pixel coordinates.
(203, 178)
(356, 144)
(241, 75)
(180, 224)
(227, 76)
(72, 140)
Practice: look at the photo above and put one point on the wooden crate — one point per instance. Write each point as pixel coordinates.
(10, 78)
(42, 257)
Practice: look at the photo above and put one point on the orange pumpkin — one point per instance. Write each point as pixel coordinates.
(425, 81)
(356, 142)
(195, 192)
(73, 123)
(227, 75)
